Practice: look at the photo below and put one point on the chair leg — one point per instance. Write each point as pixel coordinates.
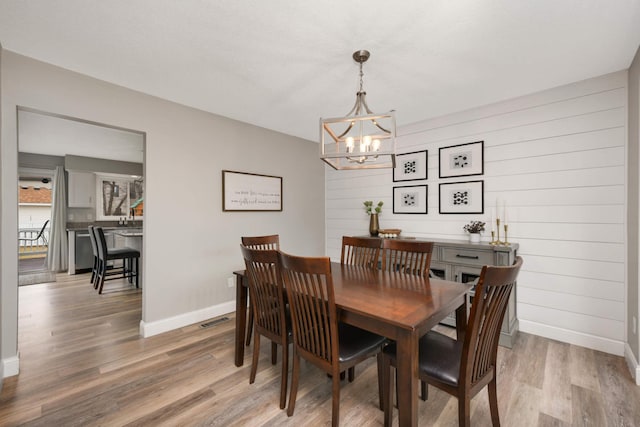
(284, 374)
(379, 362)
(295, 377)
(335, 401)
(254, 362)
(424, 391)
(464, 411)
(101, 275)
(250, 325)
(137, 273)
(94, 269)
(493, 402)
(387, 388)
(352, 373)
(95, 278)
(274, 353)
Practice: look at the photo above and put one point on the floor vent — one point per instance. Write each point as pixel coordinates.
(214, 322)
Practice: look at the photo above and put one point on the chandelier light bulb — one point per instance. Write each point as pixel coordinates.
(349, 144)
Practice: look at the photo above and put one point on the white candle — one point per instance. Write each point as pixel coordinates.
(505, 212)
(493, 219)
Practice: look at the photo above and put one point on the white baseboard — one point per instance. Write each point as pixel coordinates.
(572, 337)
(10, 366)
(149, 329)
(632, 363)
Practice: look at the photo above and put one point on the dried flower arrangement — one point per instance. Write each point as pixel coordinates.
(474, 227)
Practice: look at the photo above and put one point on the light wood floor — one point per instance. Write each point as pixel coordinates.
(83, 363)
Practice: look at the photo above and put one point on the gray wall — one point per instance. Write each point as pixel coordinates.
(39, 161)
(191, 247)
(1, 220)
(90, 164)
(633, 216)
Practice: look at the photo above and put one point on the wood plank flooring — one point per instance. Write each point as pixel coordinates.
(83, 364)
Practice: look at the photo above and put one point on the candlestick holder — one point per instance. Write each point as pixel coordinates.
(497, 240)
(506, 240)
(493, 238)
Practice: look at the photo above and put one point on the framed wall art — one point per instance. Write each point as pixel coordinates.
(410, 199)
(462, 160)
(462, 197)
(119, 196)
(410, 166)
(250, 192)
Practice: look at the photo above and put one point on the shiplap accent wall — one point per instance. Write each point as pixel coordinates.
(558, 160)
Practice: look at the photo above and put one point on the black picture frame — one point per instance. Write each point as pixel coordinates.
(461, 160)
(465, 197)
(411, 166)
(411, 199)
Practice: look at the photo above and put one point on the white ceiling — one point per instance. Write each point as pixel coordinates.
(283, 64)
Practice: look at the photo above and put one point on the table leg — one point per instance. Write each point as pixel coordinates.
(407, 370)
(241, 319)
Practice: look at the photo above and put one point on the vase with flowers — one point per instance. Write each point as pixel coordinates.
(474, 228)
(373, 212)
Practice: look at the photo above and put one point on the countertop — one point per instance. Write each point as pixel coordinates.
(128, 233)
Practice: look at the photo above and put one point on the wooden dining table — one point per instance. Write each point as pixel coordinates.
(398, 306)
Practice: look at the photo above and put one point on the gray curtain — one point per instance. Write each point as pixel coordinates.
(58, 252)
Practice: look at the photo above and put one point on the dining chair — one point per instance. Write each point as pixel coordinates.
(94, 247)
(270, 242)
(39, 236)
(128, 256)
(407, 256)
(360, 251)
(269, 309)
(463, 367)
(318, 336)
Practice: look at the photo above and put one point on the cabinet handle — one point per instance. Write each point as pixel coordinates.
(467, 256)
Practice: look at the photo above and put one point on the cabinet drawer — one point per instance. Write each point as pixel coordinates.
(467, 256)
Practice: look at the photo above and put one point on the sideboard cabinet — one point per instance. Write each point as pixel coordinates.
(461, 261)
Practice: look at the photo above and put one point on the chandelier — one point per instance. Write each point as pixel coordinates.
(361, 139)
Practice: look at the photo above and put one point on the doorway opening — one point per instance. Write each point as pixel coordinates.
(34, 217)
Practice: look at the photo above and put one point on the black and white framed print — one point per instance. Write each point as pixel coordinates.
(410, 166)
(462, 160)
(462, 197)
(410, 199)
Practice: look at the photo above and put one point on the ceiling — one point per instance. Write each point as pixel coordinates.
(284, 64)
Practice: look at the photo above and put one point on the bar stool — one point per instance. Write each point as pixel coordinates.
(105, 254)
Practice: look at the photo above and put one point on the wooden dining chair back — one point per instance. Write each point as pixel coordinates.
(463, 367)
(407, 256)
(269, 308)
(271, 242)
(360, 251)
(318, 337)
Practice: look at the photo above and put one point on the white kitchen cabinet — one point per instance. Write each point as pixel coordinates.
(82, 189)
